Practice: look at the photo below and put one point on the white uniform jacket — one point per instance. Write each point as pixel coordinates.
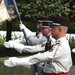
(58, 59)
(35, 40)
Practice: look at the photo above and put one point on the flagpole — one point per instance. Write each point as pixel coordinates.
(17, 11)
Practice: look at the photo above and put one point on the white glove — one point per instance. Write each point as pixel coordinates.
(9, 44)
(27, 31)
(14, 61)
(22, 26)
(19, 47)
(73, 50)
(11, 62)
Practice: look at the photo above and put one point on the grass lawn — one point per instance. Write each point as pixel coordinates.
(19, 70)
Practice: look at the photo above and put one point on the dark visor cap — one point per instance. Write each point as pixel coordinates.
(46, 24)
(42, 18)
(61, 21)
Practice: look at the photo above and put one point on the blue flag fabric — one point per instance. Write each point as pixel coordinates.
(7, 10)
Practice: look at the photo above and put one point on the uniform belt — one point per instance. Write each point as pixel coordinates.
(56, 74)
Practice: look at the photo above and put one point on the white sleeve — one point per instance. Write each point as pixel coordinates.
(32, 49)
(23, 48)
(40, 39)
(47, 56)
(28, 32)
(24, 62)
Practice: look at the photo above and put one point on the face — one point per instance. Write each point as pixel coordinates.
(45, 31)
(55, 31)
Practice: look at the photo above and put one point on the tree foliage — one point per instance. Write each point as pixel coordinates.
(30, 10)
(35, 8)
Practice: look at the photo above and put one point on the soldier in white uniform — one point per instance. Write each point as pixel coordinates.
(46, 32)
(58, 58)
(37, 36)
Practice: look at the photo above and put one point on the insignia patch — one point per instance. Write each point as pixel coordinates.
(42, 45)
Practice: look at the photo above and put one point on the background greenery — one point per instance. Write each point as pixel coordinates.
(30, 10)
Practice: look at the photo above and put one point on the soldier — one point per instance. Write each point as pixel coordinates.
(38, 37)
(46, 31)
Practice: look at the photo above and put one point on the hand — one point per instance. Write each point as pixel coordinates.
(9, 44)
(11, 62)
(26, 30)
(19, 47)
(14, 61)
(22, 26)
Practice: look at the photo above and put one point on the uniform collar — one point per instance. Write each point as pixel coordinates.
(61, 39)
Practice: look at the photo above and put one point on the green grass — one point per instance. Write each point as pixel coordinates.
(2, 41)
(18, 70)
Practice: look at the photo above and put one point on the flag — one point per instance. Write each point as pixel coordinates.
(7, 10)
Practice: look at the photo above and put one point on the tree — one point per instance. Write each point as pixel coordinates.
(35, 8)
(30, 10)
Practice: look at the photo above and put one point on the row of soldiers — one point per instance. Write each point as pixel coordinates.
(52, 51)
